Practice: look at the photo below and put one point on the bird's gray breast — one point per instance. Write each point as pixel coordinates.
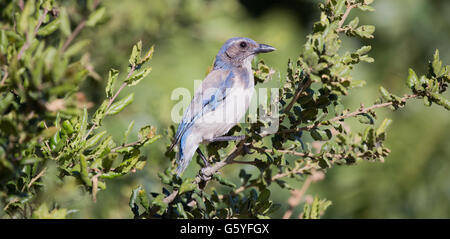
(233, 108)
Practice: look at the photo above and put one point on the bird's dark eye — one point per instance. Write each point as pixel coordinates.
(243, 44)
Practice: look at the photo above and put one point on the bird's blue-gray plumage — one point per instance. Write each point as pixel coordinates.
(221, 100)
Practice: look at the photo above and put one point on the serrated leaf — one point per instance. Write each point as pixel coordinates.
(65, 22)
(148, 56)
(113, 74)
(365, 31)
(366, 8)
(264, 195)
(224, 181)
(187, 186)
(94, 139)
(363, 50)
(120, 105)
(354, 23)
(385, 94)
(146, 132)
(127, 132)
(136, 78)
(412, 80)
(135, 56)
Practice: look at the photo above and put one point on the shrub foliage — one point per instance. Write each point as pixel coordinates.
(44, 118)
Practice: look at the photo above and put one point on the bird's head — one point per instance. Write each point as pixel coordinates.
(239, 52)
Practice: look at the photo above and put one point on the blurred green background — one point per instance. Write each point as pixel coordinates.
(414, 182)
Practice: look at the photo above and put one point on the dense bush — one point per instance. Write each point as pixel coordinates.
(45, 121)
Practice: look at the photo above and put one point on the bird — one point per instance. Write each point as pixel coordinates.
(221, 100)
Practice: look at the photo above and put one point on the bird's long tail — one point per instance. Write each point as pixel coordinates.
(187, 146)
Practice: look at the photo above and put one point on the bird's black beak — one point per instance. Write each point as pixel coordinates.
(263, 48)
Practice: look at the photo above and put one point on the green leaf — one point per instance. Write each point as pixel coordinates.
(187, 186)
(160, 204)
(84, 171)
(76, 48)
(382, 128)
(135, 56)
(94, 139)
(181, 211)
(315, 209)
(354, 23)
(264, 195)
(132, 202)
(412, 80)
(136, 78)
(224, 181)
(366, 8)
(83, 122)
(127, 132)
(96, 17)
(365, 31)
(49, 28)
(65, 22)
(385, 94)
(440, 100)
(120, 105)
(100, 113)
(113, 74)
(363, 50)
(148, 56)
(146, 132)
(143, 198)
(438, 70)
(129, 161)
(43, 213)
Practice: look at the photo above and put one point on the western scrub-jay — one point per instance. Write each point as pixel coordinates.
(221, 100)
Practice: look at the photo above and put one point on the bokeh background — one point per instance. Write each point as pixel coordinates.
(414, 182)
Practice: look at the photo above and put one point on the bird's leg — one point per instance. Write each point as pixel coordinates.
(203, 157)
(227, 138)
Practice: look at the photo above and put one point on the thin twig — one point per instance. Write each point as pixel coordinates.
(211, 170)
(352, 114)
(78, 29)
(111, 100)
(28, 42)
(296, 197)
(72, 36)
(5, 68)
(36, 178)
(347, 12)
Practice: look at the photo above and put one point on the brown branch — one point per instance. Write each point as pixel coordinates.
(360, 111)
(78, 29)
(28, 42)
(126, 146)
(72, 36)
(347, 12)
(296, 197)
(207, 172)
(295, 98)
(36, 178)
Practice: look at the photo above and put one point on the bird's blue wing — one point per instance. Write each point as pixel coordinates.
(212, 92)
